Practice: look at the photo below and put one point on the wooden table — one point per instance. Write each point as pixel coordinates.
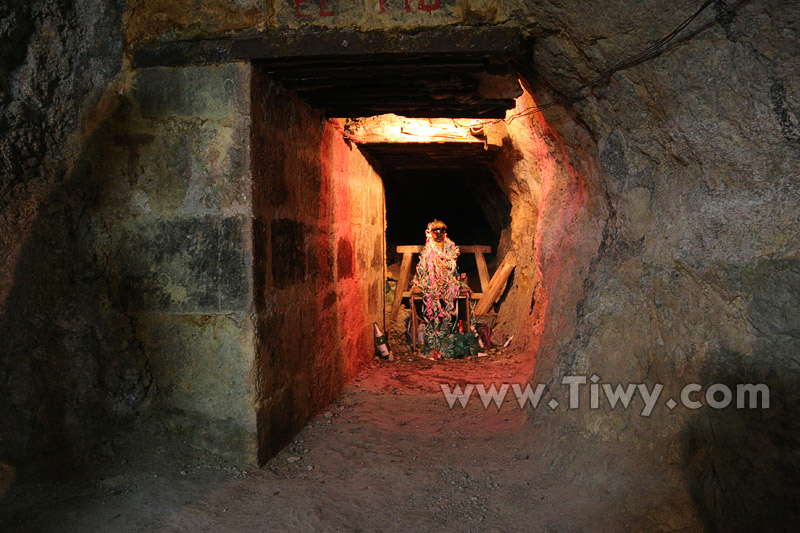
(405, 272)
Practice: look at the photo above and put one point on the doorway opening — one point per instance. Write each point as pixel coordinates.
(469, 200)
(439, 169)
(334, 197)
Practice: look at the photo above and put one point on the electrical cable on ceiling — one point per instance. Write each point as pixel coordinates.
(650, 52)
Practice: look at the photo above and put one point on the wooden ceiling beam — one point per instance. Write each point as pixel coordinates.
(431, 73)
(333, 43)
(350, 72)
(417, 112)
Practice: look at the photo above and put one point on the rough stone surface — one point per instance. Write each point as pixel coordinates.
(68, 366)
(162, 20)
(132, 262)
(178, 209)
(655, 218)
(695, 277)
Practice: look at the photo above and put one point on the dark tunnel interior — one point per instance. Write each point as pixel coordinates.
(468, 200)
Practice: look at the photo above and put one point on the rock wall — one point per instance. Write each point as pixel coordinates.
(319, 272)
(162, 20)
(557, 215)
(695, 277)
(665, 242)
(127, 284)
(133, 286)
(68, 363)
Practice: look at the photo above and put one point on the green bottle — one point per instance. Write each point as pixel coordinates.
(380, 343)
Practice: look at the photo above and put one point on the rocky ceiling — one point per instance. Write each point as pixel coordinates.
(447, 72)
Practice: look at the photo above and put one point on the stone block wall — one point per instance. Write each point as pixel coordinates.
(319, 261)
(133, 296)
(174, 216)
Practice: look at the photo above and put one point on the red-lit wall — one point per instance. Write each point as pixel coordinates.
(318, 261)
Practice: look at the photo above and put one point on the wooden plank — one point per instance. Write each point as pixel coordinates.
(474, 295)
(475, 248)
(411, 249)
(402, 285)
(364, 85)
(451, 158)
(416, 103)
(496, 285)
(405, 94)
(356, 72)
(466, 249)
(412, 99)
(483, 271)
(465, 111)
(342, 43)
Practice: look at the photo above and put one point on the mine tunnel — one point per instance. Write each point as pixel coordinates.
(203, 210)
(410, 137)
(468, 199)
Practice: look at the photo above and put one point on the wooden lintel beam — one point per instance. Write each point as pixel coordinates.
(318, 45)
(353, 72)
(400, 95)
(416, 112)
(490, 41)
(366, 83)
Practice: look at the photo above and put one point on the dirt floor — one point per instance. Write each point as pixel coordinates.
(388, 454)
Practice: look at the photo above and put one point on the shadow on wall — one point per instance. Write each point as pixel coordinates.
(742, 465)
(69, 364)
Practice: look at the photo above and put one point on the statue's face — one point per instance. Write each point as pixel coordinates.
(438, 234)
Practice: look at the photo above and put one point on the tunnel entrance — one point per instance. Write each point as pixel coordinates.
(424, 138)
(436, 169)
(318, 217)
(442, 169)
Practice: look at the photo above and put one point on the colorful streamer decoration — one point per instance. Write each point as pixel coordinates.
(437, 277)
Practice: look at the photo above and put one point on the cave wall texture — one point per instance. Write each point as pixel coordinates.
(696, 275)
(68, 363)
(663, 245)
